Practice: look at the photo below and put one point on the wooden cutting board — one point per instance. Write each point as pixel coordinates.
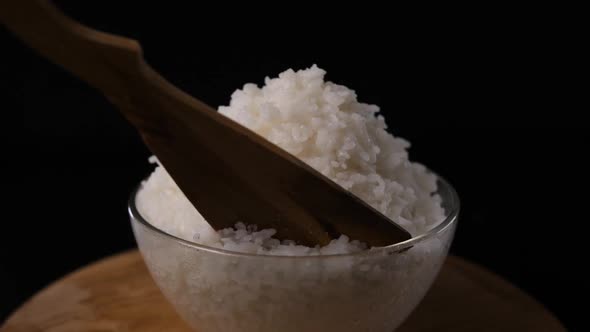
(118, 294)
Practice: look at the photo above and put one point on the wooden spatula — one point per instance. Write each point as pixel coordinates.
(228, 172)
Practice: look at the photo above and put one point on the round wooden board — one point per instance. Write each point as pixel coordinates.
(118, 294)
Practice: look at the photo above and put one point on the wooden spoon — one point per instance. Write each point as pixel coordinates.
(228, 172)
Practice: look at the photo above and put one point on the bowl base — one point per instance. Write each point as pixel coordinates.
(118, 294)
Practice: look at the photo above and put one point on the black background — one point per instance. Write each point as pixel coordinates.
(493, 107)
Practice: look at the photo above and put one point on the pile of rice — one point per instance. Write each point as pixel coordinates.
(324, 125)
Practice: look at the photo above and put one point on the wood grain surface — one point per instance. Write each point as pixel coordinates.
(118, 294)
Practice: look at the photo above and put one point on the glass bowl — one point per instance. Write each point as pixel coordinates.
(216, 290)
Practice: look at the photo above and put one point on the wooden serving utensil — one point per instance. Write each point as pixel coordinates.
(228, 172)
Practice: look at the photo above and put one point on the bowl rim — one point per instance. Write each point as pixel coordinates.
(450, 220)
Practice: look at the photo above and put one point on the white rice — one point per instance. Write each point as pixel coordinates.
(324, 125)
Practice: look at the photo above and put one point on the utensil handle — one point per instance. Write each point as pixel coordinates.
(112, 64)
(103, 60)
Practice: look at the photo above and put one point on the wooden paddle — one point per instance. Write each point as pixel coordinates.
(228, 172)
